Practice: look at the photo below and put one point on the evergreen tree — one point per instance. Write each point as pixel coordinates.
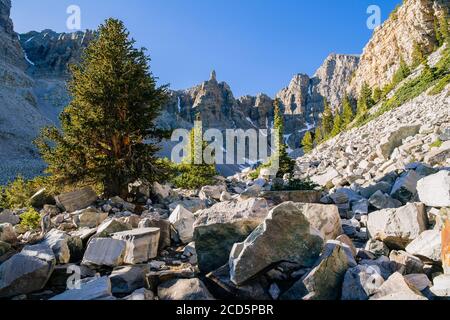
(307, 143)
(104, 128)
(418, 55)
(337, 125)
(377, 95)
(347, 112)
(365, 101)
(443, 28)
(437, 32)
(318, 137)
(327, 120)
(286, 163)
(402, 73)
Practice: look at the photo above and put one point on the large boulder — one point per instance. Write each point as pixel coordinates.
(183, 222)
(395, 139)
(27, 271)
(441, 286)
(7, 233)
(164, 230)
(92, 289)
(381, 201)
(405, 187)
(324, 218)
(397, 288)
(434, 190)
(324, 282)
(218, 228)
(104, 252)
(125, 280)
(109, 227)
(325, 178)
(406, 263)
(361, 282)
(398, 227)
(7, 216)
(142, 244)
(184, 289)
(212, 192)
(58, 241)
(90, 218)
(285, 235)
(76, 200)
(427, 246)
(439, 155)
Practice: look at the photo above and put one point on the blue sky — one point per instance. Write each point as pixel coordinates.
(254, 45)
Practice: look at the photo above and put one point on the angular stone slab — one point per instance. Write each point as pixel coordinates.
(434, 190)
(27, 271)
(141, 244)
(427, 246)
(76, 200)
(218, 228)
(183, 222)
(397, 288)
(285, 235)
(96, 289)
(279, 197)
(105, 252)
(184, 289)
(164, 228)
(398, 227)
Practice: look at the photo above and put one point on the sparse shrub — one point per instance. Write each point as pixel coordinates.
(30, 219)
(437, 144)
(297, 185)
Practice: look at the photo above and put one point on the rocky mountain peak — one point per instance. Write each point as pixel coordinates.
(412, 22)
(49, 53)
(10, 50)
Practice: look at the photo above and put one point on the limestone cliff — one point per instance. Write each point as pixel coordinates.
(413, 22)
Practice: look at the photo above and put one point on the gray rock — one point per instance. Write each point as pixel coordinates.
(218, 228)
(125, 280)
(397, 288)
(419, 281)
(382, 265)
(212, 192)
(427, 246)
(183, 222)
(394, 140)
(141, 295)
(122, 204)
(285, 235)
(27, 271)
(381, 200)
(361, 282)
(4, 248)
(164, 228)
(406, 263)
(7, 216)
(398, 227)
(405, 188)
(141, 244)
(58, 241)
(90, 218)
(360, 207)
(441, 286)
(324, 218)
(105, 252)
(95, 289)
(382, 186)
(76, 200)
(378, 248)
(439, 155)
(7, 233)
(434, 190)
(112, 226)
(184, 289)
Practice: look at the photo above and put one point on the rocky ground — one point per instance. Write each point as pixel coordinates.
(378, 230)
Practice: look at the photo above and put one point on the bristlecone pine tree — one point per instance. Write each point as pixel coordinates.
(327, 120)
(104, 128)
(286, 163)
(347, 112)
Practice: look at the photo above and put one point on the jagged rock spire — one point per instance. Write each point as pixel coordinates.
(213, 76)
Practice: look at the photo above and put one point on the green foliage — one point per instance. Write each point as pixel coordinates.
(286, 163)
(365, 101)
(441, 85)
(418, 55)
(437, 144)
(104, 128)
(337, 125)
(318, 136)
(297, 185)
(17, 194)
(377, 95)
(444, 28)
(347, 112)
(402, 73)
(327, 120)
(308, 143)
(437, 32)
(30, 219)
